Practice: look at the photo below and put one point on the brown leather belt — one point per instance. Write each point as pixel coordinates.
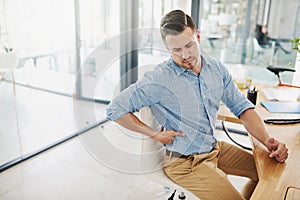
(175, 154)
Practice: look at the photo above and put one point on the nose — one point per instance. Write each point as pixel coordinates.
(184, 54)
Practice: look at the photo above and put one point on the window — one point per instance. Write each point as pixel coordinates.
(43, 32)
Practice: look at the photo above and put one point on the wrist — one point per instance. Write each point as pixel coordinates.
(265, 142)
(156, 136)
(265, 138)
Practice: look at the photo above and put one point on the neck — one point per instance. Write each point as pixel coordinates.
(197, 68)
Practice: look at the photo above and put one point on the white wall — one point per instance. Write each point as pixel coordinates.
(283, 19)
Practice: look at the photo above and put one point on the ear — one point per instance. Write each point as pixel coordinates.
(198, 35)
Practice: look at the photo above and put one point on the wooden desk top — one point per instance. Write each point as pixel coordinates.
(276, 178)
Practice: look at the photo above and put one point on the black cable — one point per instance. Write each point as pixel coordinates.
(227, 133)
(282, 121)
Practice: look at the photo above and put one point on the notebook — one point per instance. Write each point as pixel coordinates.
(282, 107)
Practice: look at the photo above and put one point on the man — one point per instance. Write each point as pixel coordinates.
(261, 34)
(184, 95)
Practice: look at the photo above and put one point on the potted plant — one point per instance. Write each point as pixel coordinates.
(296, 46)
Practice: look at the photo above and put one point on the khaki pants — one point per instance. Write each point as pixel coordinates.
(206, 174)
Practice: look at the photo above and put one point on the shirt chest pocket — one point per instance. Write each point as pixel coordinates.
(213, 85)
(216, 94)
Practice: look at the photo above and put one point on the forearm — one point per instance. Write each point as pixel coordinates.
(131, 122)
(254, 125)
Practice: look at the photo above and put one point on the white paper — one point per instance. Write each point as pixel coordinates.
(281, 94)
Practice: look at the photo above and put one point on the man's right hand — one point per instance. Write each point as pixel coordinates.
(167, 136)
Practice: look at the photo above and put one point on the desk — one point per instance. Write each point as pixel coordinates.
(212, 38)
(275, 178)
(37, 55)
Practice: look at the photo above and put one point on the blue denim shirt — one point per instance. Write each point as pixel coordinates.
(182, 101)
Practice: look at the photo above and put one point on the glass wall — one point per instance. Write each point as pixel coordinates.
(228, 31)
(10, 146)
(222, 28)
(101, 42)
(99, 24)
(43, 33)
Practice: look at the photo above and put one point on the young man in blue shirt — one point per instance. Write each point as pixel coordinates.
(184, 94)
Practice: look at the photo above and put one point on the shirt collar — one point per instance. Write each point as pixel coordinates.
(178, 69)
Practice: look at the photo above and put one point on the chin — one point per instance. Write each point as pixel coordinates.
(191, 65)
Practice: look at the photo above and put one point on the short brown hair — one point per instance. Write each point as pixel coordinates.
(174, 23)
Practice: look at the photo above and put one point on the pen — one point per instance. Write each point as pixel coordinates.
(251, 90)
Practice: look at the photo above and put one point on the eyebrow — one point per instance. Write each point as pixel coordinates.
(176, 49)
(188, 44)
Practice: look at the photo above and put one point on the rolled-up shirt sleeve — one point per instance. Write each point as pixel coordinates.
(233, 98)
(136, 96)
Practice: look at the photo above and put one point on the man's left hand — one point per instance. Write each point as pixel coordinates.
(278, 149)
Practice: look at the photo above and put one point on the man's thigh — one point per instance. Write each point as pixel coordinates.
(236, 161)
(201, 176)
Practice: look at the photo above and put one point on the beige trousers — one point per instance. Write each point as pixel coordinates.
(206, 174)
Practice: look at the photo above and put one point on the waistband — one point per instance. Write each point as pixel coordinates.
(175, 154)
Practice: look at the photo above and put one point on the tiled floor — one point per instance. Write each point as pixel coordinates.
(77, 169)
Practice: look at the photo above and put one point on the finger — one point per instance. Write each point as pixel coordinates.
(275, 153)
(282, 159)
(283, 155)
(282, 150)
(280, 155)
(272, 154)
(179, 134)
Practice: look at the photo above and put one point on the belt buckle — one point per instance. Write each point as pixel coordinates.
(170, 154)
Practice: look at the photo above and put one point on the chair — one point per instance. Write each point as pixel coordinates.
(9, 62)
(152, 157)
(264, 55)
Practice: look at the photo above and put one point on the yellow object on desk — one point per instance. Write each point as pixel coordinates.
(244, 83)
